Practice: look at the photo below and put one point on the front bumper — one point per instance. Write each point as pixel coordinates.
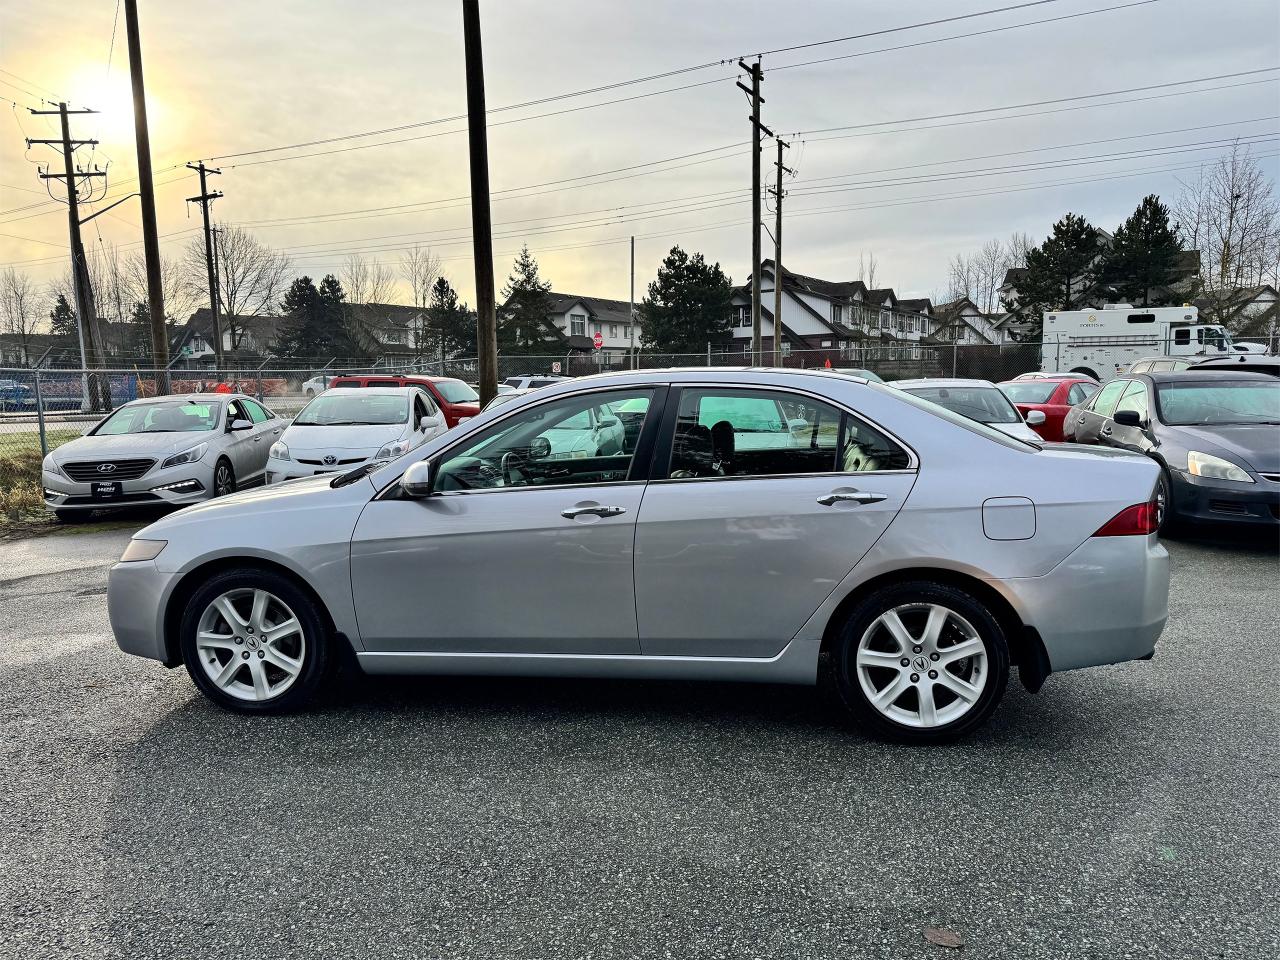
(278, 471)
(1206, 500)
(177, 486)
(136, 596)
(1106, 603)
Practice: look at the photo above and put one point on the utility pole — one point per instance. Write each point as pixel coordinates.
(481, 222)
(95, 397)
(632, 312)
(146, 188)
(757, 75)
(777, 256)
(204, 200)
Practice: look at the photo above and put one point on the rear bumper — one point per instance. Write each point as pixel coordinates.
(1205, 500)
(1106, 603)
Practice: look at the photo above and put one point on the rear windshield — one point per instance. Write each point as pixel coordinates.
(1029, 391)
(351, 408)
(455, 391)
(1209, 403)
(973, 426)
(984, 404)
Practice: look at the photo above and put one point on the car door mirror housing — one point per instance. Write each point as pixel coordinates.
(1035, 418)
(539, 448)
(417, 480)
(1128, 418)
(426, 423)
(237, 425)
(609, 422)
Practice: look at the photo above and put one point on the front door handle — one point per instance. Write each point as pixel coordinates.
(1106, 431)
(593, 510)
(1080, 419)
(853, 496)
(257, 439)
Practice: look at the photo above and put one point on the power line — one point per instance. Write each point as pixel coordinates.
(10, 73)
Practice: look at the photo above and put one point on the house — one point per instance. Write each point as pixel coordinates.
(574, 321)
(54, 349)
(191, 344)
(1250, 313)
(961, 321)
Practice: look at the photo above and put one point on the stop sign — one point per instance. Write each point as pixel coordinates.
(598, 340)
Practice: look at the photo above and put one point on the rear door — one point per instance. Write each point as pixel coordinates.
(266, 431)
(240, 446)
(752, 517)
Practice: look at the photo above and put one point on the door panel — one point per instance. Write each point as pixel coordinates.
(502, 571)
(735, 567)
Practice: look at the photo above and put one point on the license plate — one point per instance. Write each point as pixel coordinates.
(106, 490)
(319, 472)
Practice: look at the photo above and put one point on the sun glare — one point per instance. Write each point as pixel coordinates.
(112, 97)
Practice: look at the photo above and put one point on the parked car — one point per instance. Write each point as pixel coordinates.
(910, 554)
(859, 372)
(316, 386)
(1051, 375)
(979, 400)
(343, 428)
(1252, 363)
(164, 450)
(1161, 364)
(1248, 347)
(455, 399)
(1215, 435)
(504, 396)
(1052, 397)
(16, 396)
(532, 383)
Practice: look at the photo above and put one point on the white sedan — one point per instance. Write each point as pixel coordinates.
(341, 429)
(979, 400)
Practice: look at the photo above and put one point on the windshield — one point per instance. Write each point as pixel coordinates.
(1215, 337)
(347, 408)
(171, 417)
(1201, 402)
(455, 391)
(1029, 391)
(502, 398)
(984, 404)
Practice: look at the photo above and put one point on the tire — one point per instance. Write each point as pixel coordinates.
(868, 660)
(72, 516)
(224, 478)
(300, 659)
(1169, 525)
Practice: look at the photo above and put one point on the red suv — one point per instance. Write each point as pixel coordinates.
(456, 399)
(1052, 396)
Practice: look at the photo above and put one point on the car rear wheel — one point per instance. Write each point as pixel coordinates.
(224, 479)
(921, 662)
(253, 641)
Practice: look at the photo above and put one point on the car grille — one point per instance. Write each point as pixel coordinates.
(1273, 477)
(86, 471)
(336, 463)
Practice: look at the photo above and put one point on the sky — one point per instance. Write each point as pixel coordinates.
(227, 80)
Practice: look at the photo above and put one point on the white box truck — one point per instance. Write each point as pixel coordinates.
(1105, 343)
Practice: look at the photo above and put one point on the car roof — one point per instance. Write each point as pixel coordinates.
(1207, 374)
(378, 391)
(188, 398)
(1054, 378)
(1239, 359)
(942, 382)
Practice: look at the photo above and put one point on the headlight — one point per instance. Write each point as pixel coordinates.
(279, 451)
(51, 466)
(190, 455)
(1215, 468)
(392, 450)
(142, 550)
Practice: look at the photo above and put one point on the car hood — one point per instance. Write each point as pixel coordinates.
(308, 440)
(1257, 445)
(129, 445)
(566, 442)
(293, 494)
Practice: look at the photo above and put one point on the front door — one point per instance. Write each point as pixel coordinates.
(525, 547)
(1124, 437)
(762, 501)
(1091, 421)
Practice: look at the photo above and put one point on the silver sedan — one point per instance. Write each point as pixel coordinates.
(171, 450)
(764, 526)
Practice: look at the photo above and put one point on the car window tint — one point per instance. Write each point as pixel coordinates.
(1134, 398)
(575, 440)
(256, 413)
(1105, 403)
(419, 410)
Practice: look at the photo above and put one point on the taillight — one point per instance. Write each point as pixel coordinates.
(1137, 521)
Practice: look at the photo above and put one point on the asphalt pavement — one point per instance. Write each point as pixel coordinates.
(1128, 811)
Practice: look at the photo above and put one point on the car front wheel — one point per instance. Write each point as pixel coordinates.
(224, 479)
(921, 662)
(254, 642)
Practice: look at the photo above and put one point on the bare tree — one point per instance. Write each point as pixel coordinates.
(980, 275)
(252, 278)
(867, 264)
(419, 268)
(19, 311)
(366, 281)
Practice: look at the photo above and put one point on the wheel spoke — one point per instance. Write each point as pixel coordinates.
(286, 663)
(879, 658)
(893, 623)
(260, 600)
(933, 628)
(261, 689)
(230, 613)
(281, 630)
(215, 641)
(228, 672)
(963, 689)
(966, 648)
(928, 710)
(885, 698)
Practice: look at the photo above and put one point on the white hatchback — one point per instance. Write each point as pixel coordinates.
(341, 429)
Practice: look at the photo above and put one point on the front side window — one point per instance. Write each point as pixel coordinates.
(1135, 399)
(1105, 403)
(761, 433)
(256, 413)
(175, 417)
(576, 440)
(235, 412)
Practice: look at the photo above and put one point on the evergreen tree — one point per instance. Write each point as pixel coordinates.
(1061, 272)
(137, 332)
(526, 306)
(688, 306)
(317, 321)
(62, 319)
(1143, 258)
(453, 329)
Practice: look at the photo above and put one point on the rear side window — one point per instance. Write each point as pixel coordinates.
(1142, 366)
(383, 383)
(1105, 403)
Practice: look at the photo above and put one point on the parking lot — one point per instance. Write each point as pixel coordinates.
(1124, 811)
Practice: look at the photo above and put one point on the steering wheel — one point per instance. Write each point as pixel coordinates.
(512, 465)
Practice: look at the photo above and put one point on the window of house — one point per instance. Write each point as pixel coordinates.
(786, 348)
(613, 330)
(837, 313)
(595, 328)
(626, 331)
(826, 343)
(761, 433)
(577, 325)
(744, 316)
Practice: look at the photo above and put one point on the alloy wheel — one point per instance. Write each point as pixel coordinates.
(250, 644)
(922, 665)
(223, 482)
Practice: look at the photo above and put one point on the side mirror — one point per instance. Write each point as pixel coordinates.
(237, 425)
(609, 422)
(1127, 418)
(417, 480)
(1035, 418)
(539, 448)
(426, 423)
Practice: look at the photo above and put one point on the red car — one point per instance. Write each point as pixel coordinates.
(456, 399)
(1053, 396)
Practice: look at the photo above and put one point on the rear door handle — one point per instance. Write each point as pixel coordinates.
(592, 509)
(854, 496)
